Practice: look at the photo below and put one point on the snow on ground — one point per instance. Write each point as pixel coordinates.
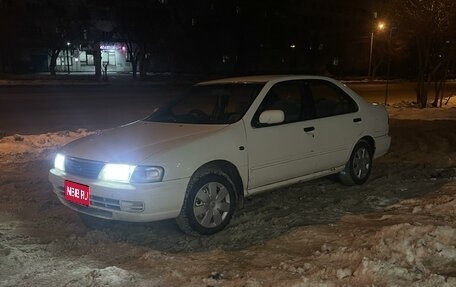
(50, 82)
(399, 229)
(410, 111)
(22, 146)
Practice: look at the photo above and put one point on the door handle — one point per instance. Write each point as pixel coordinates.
(357, 120)
(309, 129)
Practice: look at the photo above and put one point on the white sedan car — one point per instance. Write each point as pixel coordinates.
(197, 158)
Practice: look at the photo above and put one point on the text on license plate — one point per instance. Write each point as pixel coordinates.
(77, 193)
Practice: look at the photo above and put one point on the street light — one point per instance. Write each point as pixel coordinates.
(380, 27)
(68, 56)
(392, 29)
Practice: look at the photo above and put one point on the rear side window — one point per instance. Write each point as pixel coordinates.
(329, 100)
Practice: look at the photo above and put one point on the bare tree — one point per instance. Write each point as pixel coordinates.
(141, 26)
(430, 24)
(55, 34)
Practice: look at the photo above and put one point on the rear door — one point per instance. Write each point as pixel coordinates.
(338, 124)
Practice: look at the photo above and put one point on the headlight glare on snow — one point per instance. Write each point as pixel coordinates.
(59, 162)
(117, 172)
(147, 174)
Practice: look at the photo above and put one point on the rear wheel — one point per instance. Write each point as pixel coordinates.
(208, 205)
(359, 166)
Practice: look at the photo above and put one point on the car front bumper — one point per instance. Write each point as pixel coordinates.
(124, 201)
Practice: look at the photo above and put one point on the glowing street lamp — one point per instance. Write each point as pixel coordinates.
(392, 29)
(68, 56)
(380, 27)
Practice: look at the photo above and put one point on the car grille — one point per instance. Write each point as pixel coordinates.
(104, 202)
(83, 168)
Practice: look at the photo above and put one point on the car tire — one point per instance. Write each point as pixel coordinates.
(209, 204)
(359, 166)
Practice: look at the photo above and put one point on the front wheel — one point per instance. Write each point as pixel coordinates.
(208, 205)
(359, 166)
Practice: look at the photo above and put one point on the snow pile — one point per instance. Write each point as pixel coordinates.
(409, 251)
(423, 250)
(109, 276)
(50, 82)
(23, 146)
(406, 110)
(400, 254)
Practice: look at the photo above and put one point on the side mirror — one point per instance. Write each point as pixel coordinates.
(270, 117)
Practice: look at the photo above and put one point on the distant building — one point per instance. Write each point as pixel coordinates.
(80, 59)
(33, 28)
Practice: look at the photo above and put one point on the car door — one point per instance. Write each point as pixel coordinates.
(337, 125)
(280, 152)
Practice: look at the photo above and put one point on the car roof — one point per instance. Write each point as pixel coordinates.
(261, 79)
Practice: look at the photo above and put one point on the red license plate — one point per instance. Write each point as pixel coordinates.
(77, 193)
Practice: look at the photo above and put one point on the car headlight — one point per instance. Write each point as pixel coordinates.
(130, 173)
(59, 162)
(116, 172)
(147, 174)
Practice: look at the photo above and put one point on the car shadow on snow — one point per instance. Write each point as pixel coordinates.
(269, 215)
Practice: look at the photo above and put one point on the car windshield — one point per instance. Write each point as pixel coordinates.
(209, 104)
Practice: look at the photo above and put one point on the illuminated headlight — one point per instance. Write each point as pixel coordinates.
(59, 162)
(131, 173)
(116, 172)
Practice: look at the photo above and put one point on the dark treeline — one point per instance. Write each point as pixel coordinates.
(327, 37)
(193, 36)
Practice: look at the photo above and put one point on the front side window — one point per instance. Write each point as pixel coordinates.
(209, 104)
(285, 96)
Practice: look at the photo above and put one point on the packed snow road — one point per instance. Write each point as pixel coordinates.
(396, 230)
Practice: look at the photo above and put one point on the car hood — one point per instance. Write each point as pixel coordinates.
(135, 142)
